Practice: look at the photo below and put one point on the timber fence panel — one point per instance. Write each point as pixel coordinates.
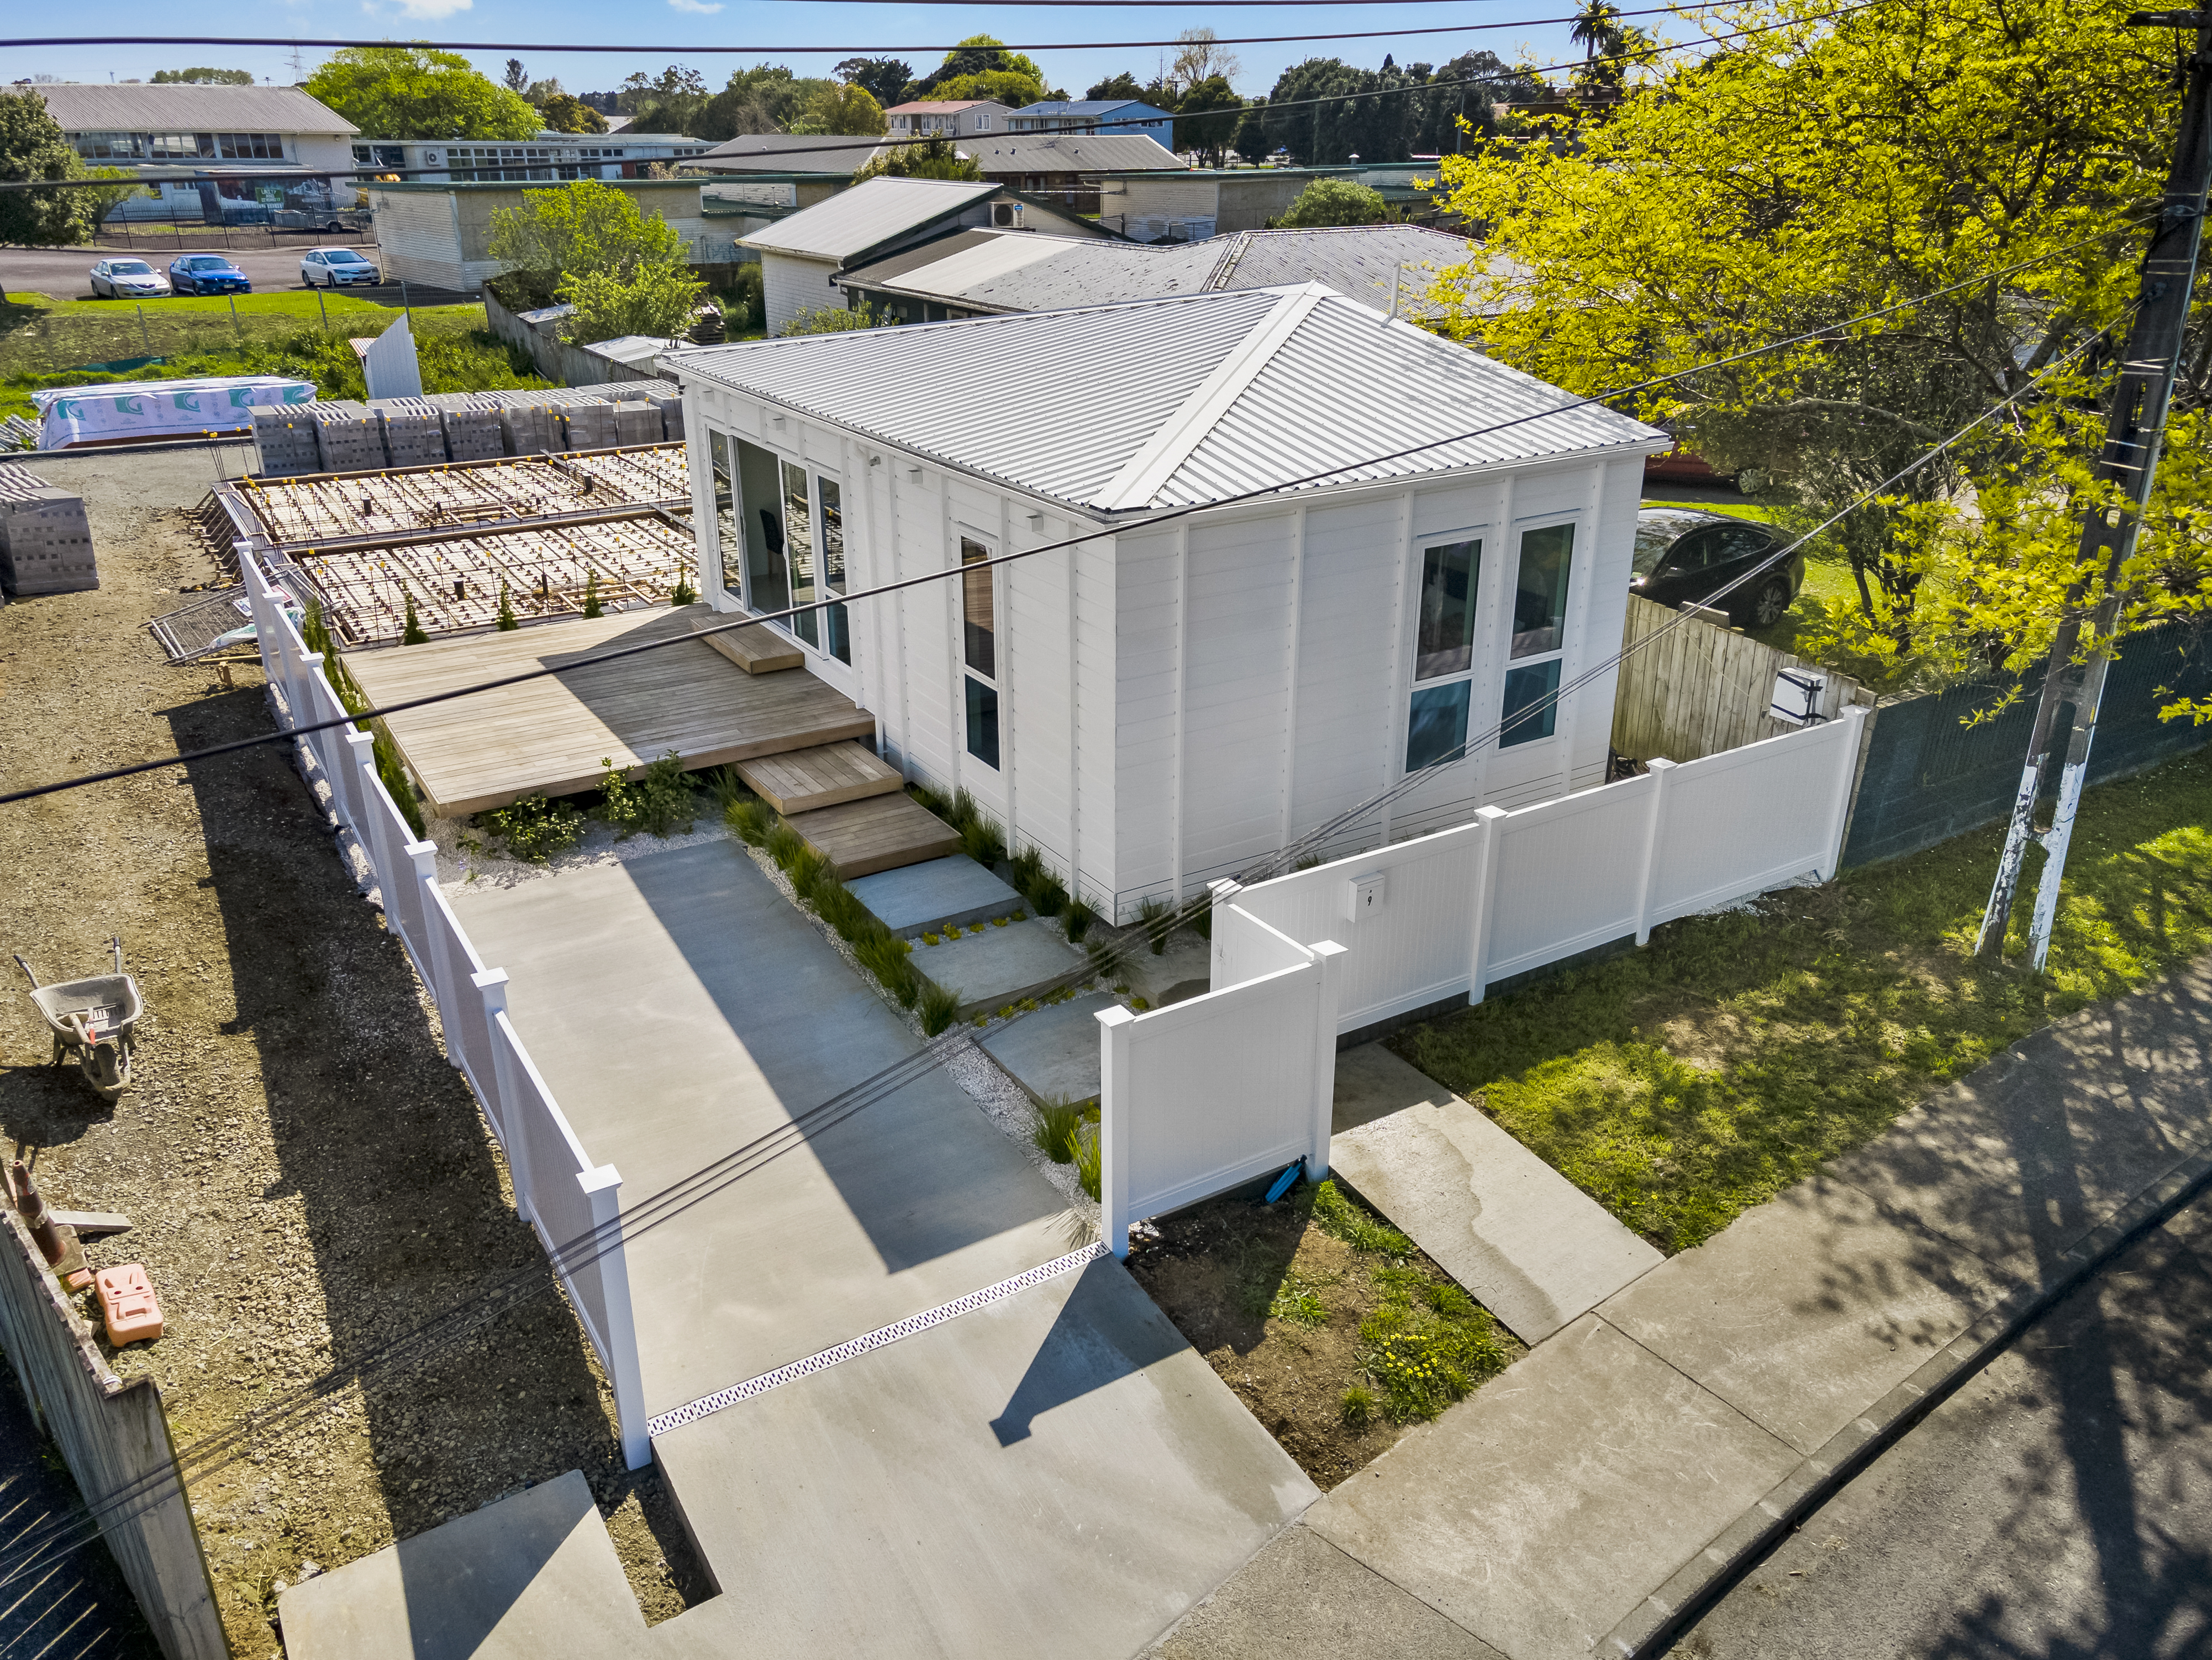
(114, 1437)
(1702, 689)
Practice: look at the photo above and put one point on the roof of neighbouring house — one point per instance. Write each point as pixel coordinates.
(1091, 106)
(942, 106)
(788, 153)
(1183, 401)
(1069, 152)
(872, 212)
(114, 108)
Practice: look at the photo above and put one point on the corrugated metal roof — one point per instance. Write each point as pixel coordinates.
(189, 109)
(942, 106)
(1226, 392)
(1069, 152)
(1059, 107)
(1359, 260)
(854, 221)
(786, 153)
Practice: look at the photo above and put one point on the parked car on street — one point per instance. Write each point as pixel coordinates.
(127, 279)
(1683, 554)
(207, 273)
(331, 268)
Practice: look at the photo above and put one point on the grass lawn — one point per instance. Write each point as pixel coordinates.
(1680, 1084)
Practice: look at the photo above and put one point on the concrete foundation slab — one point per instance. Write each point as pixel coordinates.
(530, 1576)
(1056, 1473)
(1054, 1053)
(1804, 1309)
(937, 894)
(1303, 1596)
(1540, 1512)
(1528, 1245)
(999, 966)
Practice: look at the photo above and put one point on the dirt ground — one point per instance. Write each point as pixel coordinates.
(1289, 1314)
(308, 1175)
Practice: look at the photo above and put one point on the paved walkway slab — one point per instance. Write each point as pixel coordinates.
(1054, 1053)
(531, 1576)
(936, 894)
(1529, 1245)
(999, 966)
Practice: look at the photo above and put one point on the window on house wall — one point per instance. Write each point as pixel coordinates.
(1444, 653)
(1530, 710)
(836, 630)
(799, 549)
(979, 642)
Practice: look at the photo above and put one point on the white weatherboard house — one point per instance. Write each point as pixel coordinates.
(1159, 705)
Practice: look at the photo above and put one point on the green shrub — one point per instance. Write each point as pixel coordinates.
(1037, 885)
(506, 620)
(1358, 1406)
(982, 842)
(887, 959)
(750, 821)
(1156, 918)
(1089, 1160)
(657, 800)
(1337, 1215)
(683, 594)
(1078, 917)
(725, 788)
(410, 627)
(315, 634)
(784, 843)
(534, 828)
(592, 607)
(1058, 1126)
(940, 1006)
(961, 811)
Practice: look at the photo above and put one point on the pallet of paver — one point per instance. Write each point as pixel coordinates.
(285, 443)
(414, 433)
(589, 426)
(45, 539)
(349, 436)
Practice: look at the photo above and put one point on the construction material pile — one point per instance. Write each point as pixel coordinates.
(343, 435)
(45, 540)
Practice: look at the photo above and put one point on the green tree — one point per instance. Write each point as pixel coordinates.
(884, 79)
(1125, 85)
(417, 91)
(1207, 117)
(565, 114)
(1361, 112)
(1202, 57)
(1000, 86)
(34, 148)
(846, 109)
(837, 319)
(655, 299)
(671, 101)
(981, 54)
(1829, 168)
(581, 229)
(203, 77)
(1334, 202)
(929, 158)
(517, 78)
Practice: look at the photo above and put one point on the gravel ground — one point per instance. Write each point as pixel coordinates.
(308, 1176)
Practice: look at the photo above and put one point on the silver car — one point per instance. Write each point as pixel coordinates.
(332, 268)
(127, 279)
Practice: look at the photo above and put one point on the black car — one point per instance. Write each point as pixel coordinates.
(1683, 554)
(207, 273)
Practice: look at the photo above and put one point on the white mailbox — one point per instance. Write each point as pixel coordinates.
(1363, 896)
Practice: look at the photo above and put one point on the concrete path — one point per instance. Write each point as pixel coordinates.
(1574, 1503)
(1058, 1470)
(1529, 1245)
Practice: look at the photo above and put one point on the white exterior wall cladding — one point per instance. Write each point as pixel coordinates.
(791, 284)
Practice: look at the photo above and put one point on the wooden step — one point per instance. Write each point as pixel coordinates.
(800, 780)
(756, 650)
(881, 832)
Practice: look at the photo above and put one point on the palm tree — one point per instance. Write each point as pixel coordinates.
(1597, 28)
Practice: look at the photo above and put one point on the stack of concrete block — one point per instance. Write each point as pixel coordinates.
(589, 426)
(530, 428)
(672, 414)
(473, 434)
(637, 421)
(348, 435)
(45, 540)
(284, 442)
(414, 435)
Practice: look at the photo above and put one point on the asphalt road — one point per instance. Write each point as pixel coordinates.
(2057, 1507)
(62, 272)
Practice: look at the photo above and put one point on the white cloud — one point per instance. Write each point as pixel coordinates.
(432, 9)
(701, 7)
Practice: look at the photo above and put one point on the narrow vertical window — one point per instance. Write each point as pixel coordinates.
(799, 549)
(727, 535)
(836, 630)
(1530, 709)
(1443, 654)
(980, 651)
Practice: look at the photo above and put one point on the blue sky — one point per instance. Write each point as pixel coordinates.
(882, 30)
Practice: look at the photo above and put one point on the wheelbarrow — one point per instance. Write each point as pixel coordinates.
(93, 1023)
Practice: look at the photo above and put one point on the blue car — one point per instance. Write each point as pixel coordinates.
(207, 273)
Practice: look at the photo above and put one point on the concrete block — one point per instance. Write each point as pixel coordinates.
(637, 422)
(472, 434)
(588, 427)
(1054, 1053)
(45, 543)
(1804, 1309)
(530, 428)
(999, 966)
(349, 436)
(936, 894)
(414, 433)
(530, 1576)
(284, 442)
(1529, 1245)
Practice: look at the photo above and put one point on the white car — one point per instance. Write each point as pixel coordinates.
(331, 268)
(127, 279)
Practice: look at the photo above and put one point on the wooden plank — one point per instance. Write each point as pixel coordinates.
(800, 780)
(880, 833)
(557, 734)
(758, 650)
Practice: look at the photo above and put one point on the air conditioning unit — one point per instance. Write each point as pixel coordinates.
(1797, 694)
(1007, 214)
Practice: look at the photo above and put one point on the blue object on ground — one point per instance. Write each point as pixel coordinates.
(1283, 1182)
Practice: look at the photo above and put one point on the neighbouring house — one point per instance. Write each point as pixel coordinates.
(1124, 117)
(549, 158)
(785, 170)
(440, 235)
(939, 118)
(1194, 203)
(979, 273)
(803, 256)
(218, 154)
(1165, 701)
(1066, 168)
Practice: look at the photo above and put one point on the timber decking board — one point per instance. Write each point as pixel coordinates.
(758, 650)
(801, 781)
(880, 833)
(555, 734)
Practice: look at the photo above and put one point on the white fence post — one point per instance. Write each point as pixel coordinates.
(1114, 1059)
(1486, 893)
(1853, 720)
(360, 750)
(491, 987)
(1655, 827)
(603, 1187)
(1326, 954)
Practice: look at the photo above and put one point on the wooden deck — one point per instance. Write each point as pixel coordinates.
(800, 780)
(759, 650)
(880, 833)
(556, 735)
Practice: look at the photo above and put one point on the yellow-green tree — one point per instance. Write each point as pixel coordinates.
(416, 91)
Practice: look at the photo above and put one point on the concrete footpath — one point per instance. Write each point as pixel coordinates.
(1590, 1496)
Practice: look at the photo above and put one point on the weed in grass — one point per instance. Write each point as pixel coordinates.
(534, 828)
(1155, 916)
(1087, 1161)
(1358, 1406)
(657, 800)
(1059, 1124)
(1422, 1357)
(1078, 917)
(1294, 1298)
(940, 1006)
(1356, 1226)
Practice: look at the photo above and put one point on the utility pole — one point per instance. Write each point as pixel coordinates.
(2129, 461)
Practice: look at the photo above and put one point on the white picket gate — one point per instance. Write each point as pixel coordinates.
(575, 1205)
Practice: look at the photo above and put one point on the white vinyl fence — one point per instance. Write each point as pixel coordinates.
(575, 1205)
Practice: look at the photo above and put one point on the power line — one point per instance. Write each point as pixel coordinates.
(218, 1451)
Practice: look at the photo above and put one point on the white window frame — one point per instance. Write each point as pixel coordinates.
(1578, 554)
(995, 681)
(1477, 663)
